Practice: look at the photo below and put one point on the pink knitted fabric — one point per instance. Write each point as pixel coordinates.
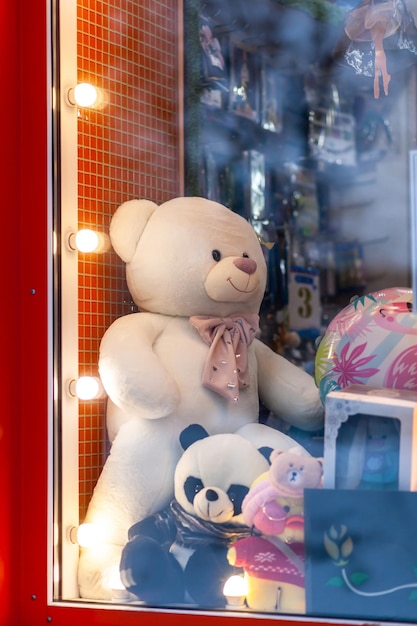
(260, 508)
(262, 559)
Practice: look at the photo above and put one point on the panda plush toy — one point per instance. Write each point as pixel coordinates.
(180, 554)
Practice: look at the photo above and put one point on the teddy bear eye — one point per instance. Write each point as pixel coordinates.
(191, 488)
(286, 508)
(245, 255)
(236, 495)
(216, 254)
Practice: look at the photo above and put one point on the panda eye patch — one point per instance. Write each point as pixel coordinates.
(217, 255)
(236, 494)
(191, 488)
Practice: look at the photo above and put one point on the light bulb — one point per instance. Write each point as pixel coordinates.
(83, 94)
(86, 535)
(85, 388)
(86, 240)
(235, 591)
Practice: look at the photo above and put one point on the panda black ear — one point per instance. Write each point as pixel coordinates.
(191, 434)
(266, 452)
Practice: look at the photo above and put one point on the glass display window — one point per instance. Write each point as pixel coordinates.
(232, 274)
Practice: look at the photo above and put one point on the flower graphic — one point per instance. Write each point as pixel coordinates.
(338, 545)
(362, 300)
(324, 358)
(326, 386)
(350, 367)
(351, 322)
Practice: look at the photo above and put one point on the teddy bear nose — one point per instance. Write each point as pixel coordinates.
(246, 265)
(211, 495)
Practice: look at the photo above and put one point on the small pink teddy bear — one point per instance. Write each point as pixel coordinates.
(275, 502)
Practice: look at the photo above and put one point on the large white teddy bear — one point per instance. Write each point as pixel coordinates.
(197, 272)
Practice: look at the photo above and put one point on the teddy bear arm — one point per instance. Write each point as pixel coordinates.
(254, 500)
(160, 527)
(287, 390)
(132, 374)
(150, 572)
(206, 573)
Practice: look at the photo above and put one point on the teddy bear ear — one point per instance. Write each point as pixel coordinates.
(298, 450)
(127, 226)
(191, 434)
(266, 452)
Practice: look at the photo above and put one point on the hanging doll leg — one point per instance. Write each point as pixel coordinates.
(377, 32)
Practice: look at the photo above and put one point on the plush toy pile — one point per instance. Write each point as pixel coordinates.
(180, 554)
(197, 273)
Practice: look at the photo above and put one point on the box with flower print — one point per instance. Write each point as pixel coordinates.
(361, 555)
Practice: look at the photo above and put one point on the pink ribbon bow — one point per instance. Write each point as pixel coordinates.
(226, 368)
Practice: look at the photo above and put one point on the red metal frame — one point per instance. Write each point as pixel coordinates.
(9, 315)
(24, 328)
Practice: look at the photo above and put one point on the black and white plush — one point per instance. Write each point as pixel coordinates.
(179, 555)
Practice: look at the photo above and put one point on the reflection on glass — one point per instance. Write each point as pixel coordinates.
(300, 121)
(367, 453)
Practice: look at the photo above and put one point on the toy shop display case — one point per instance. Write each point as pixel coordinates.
(247, 106)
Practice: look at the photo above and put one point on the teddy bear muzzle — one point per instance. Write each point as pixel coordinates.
(294, 477)
(233, 279)
(246, 265)
(213, 505)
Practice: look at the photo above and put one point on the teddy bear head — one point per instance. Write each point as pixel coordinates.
(189, 256)
(275, 502)
(215, 472)
(292, 471)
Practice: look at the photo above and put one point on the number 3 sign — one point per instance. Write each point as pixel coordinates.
(304, 299)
